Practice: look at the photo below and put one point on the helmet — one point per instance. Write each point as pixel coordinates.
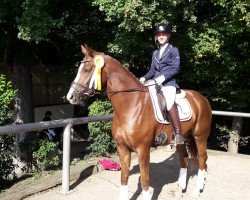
(162, 28)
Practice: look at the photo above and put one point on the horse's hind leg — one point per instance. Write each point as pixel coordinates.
(125, 158)
(201, 143)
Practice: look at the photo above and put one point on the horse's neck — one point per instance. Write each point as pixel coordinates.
(120, 79)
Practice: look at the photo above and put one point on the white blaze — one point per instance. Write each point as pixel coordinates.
(71, 90)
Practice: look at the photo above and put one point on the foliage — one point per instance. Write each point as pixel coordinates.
(40, 153)
(136, 19)
(36, 20)
(50, 32)
(220, 53)
(6, 97)
(6, 142)
(103, 144)
(212, 37)
(220, 134)
(6, 159)
(48, 154)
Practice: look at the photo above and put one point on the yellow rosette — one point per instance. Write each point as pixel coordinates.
(99, 63)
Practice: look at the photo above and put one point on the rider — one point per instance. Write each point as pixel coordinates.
(165, 66)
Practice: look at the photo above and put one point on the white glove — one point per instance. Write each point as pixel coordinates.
(150, 82)
(160, 79)
(142, 80)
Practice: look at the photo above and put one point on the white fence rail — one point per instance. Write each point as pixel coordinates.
(230, 114)
(68, 123)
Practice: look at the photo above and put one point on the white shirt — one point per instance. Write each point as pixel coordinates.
(162, 49)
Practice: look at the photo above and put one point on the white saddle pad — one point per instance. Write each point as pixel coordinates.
(184, 108)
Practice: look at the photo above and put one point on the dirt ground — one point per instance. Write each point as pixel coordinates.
(27, 184)
(227, 178)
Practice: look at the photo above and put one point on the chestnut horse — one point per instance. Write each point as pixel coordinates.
(134, 125)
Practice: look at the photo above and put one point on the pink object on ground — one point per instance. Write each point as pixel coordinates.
(109, 164)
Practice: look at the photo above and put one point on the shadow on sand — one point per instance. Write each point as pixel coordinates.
(161, 174)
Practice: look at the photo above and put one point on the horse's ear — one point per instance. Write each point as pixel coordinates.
(84, 51)
(87, 50)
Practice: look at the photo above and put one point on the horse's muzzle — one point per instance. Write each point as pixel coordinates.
(79, 93)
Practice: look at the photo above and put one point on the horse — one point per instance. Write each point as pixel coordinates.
(134, 126)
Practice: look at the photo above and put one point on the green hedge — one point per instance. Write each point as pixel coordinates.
(103, 144)
(7, 151)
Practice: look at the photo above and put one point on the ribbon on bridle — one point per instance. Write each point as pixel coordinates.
(96, 80)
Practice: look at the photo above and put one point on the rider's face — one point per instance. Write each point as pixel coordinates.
(162, 37)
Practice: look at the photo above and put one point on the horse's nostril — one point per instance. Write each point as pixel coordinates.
(70, 97)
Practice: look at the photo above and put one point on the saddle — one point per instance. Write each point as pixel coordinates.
(159, 105)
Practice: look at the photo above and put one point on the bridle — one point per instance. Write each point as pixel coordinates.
(91, 91)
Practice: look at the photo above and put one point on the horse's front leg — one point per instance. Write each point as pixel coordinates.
(182, 181)
(144, 159)
(125, 158)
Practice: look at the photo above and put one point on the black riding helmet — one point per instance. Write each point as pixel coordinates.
(162, 28)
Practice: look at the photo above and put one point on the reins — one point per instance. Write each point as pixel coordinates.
(92, 92)
(138, 89)
(128, 90)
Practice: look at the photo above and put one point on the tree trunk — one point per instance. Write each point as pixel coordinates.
(24, 111)
(17, 58)
(234, 135)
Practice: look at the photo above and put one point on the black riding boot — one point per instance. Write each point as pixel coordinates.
(174, 116)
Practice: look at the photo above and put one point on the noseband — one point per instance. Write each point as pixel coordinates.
(89, 91)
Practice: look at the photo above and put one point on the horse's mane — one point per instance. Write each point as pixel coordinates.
(120, 65)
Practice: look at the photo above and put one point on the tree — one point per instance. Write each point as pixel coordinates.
(204, 31)
(44, 32)
(21, 23)
(220, 52)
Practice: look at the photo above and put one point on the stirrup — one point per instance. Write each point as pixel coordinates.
(160, 138)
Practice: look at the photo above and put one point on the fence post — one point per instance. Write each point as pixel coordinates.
(66, 159)
(234, 135)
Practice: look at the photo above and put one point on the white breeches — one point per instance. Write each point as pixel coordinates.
(169, 93)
